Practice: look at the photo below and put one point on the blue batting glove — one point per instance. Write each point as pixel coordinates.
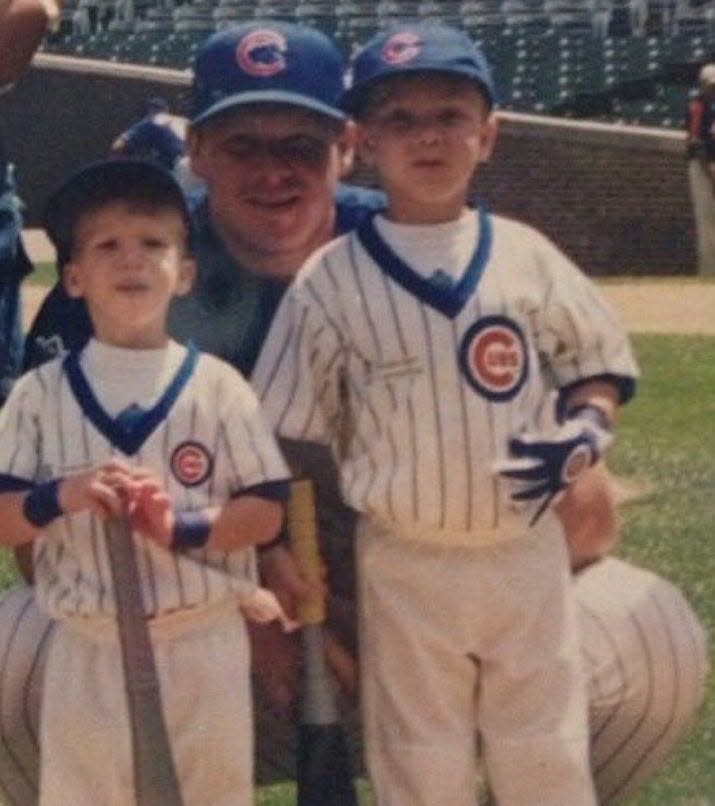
(545, 466)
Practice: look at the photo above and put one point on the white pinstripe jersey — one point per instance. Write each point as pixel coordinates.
(437, 377)
(202, 432)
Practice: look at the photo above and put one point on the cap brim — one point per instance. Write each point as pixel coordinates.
(268, 97)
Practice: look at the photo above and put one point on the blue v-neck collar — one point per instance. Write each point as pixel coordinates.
(447, 300)
(127, 437)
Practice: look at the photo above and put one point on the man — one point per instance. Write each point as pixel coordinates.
(700, 129)
(270, 144)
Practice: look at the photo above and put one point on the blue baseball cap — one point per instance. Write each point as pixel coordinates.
(104, 182)
(267, 62)
(421, 47)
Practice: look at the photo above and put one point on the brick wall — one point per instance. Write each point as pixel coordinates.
(615, 199)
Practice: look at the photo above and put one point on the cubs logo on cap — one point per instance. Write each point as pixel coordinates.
(262, 53)
(191, 463)
(494, 358)
(402, 47)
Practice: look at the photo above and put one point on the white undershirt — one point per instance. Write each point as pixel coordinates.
(427, 248)
(119, 376)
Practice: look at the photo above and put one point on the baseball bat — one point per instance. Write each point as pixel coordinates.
(155, 780)
(323, 768)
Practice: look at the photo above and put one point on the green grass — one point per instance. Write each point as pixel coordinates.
(667, 436)
(45, 275)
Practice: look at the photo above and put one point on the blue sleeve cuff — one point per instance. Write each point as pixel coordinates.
(625, 386)
(272, 490)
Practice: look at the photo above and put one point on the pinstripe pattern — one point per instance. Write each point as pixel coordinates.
(646, 657)
(22, 654)
(416, 422)
(612, 596)
(215, 409)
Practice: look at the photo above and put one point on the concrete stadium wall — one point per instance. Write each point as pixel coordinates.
(614, 198)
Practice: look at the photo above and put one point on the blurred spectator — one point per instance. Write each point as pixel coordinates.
(23, 24)
(601, 12)
(157, 137)
(700, 125)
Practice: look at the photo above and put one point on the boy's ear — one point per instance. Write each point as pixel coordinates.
(488, 136)
(346, 148)
(71, 280)
(365, 145)
(193, 150)
(187, 274)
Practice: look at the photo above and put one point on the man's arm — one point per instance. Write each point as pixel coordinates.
(23, 24)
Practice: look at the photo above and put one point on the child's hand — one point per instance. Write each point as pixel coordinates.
(262, 607)
(149, 507)
(100, 490)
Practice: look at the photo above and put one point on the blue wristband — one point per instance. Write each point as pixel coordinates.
(41, 505)
(191, 530)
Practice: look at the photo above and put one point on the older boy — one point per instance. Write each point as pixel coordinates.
(138, 421)
(448, 327)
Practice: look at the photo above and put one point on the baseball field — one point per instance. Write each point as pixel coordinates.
(665, 448)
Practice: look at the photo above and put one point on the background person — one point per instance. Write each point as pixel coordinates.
(700, 128)
(23, 24)
(267, 206)
(157, 136)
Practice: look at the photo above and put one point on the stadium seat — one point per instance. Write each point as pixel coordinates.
(482, 12)
(318, 14)
(193, 17)
(528, 16)
(155, 19)
(389, 11)
(275, 10)
(231, 12)
(445, 12)
(356, 22)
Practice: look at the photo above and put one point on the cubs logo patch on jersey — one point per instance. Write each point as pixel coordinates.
(191, 463)
(494, 359)
(261, 53)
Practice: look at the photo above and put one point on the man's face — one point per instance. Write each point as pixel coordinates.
(270, 173)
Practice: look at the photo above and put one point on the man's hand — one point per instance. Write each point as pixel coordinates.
(23, 24)
(275, 653)
(589, 516)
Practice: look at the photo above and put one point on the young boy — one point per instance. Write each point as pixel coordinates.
(138, 424)
(422, 348)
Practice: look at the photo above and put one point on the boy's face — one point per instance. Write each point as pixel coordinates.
(425, 135)
(127, 264)
(271, 171)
